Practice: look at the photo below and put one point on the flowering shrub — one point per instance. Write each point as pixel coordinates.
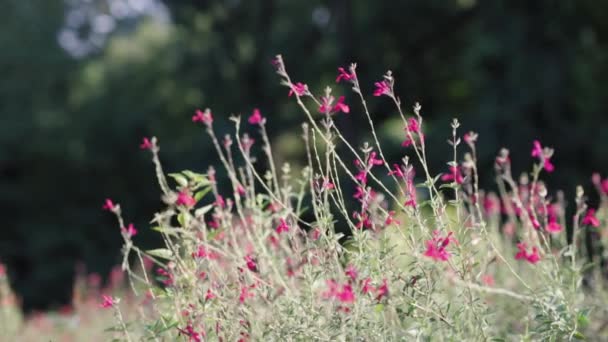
(436, 260)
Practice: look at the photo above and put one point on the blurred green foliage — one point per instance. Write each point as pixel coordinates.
(70, 127)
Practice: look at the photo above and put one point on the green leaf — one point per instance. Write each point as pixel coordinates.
(579, 336)
(200, 194)
(181, 180)
(202, 211)
(161, 253)
(379, 308)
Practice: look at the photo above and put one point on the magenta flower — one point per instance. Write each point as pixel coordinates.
(413, 125)
(533, 257)
(130, 230)
(205, 117)
(436, 247)
(390, 219)
(605, 186)
(590, 219)
(382, 88)
(327, 102)
(351, 272)
(245, 294)
(209, 295)
(282, 227)
(346, 295)
(553, 226)
(299, 89)
(366, 287)
(251, 263)
(362, 177)
(382, 291)
(184, 198)
(107, 302)
(396, 171)
(189, 331)
(146, 144)
(344, 75)
(109, 205)
(373, 161)
(454, 175)
(545, 158)
(256, 117)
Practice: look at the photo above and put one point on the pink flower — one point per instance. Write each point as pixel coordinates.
(167, 277)
(590, 219)
(2, 270)
(436, 247)
(130, 230)
(315, 234)
(413, 125)
(299, 89)
(362, 176)
(191, 333)
(256, 117)
(491, 204)
(537, 149)
(382, 88)
(184, 198)
(326, 105)
(251, 263)
(382, 291)
(344, 75)
(396, 171)
(373, 161)
(209, 295)
(245, 294)
(146, 144)
(351, 272)
(605, 186)
(282, 227)
(346, 295)
(470, 138)
(553, 226)
(203, 253)
(487, 280)
(219, 202)
(366, 287)
(522, 254)
(390, 219)
(205, 117)
(453, 176)
(109, 205)
(107, 302)
(539, 152)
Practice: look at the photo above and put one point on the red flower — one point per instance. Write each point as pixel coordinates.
(109, 205)
(299, 89)
(382, 88)
(344, 75)
(205, 117)
(256, 117)
(590, 219)
(146, 144)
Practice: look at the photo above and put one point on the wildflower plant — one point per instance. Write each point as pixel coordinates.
(440, 259)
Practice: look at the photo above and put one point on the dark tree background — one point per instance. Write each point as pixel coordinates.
(82, 82)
